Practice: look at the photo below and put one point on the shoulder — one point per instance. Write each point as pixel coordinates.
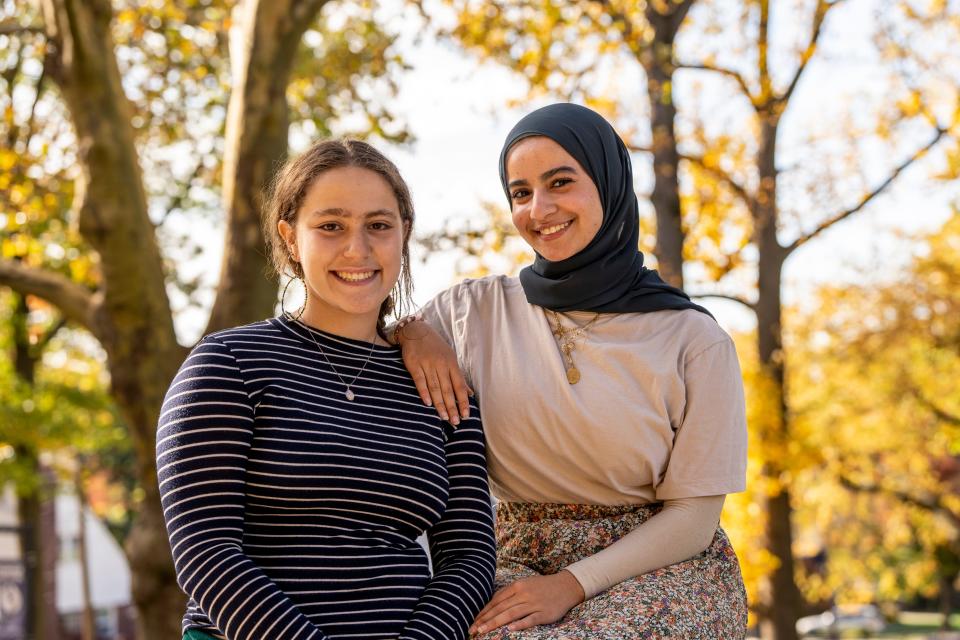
(270, 327)
(240, 342)
(481, 288)
(476, 294)
(692, 331)
(704, 335)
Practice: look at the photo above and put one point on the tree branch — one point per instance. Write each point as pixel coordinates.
(726, 296)
(724, 177)
(933, 505)
(935, 409)
(635, 148)
(36, 100)
(12, 27)
(50, 333)
(820, 13)
(867, 198)
(765, 96)
(724, 71)
(76, 303)
(679, 13)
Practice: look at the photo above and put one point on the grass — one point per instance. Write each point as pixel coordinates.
(912, 625)
(916, 624)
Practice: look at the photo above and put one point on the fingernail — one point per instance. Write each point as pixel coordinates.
(455, 420)
(428, 403)
(481, 629)
(465, 414)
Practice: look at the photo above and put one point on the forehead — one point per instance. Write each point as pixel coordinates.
(353, 190)
(531, 156)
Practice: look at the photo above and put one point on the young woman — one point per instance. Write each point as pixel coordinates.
(613, 407)
(297, 465)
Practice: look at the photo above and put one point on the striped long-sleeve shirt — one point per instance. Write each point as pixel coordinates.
(293, 512)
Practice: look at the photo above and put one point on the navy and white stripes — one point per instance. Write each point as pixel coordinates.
(293, 513)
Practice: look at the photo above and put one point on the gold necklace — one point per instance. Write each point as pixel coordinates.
(566, 339)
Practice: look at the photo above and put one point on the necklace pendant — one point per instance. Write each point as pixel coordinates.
(573, 375)
(351, 395)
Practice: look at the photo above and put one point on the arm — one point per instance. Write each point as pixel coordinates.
(204, 435)
(681, 530)
(429, 345)
(461, 545)
(708, 460)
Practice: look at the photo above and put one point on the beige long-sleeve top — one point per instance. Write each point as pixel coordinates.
(657, 416)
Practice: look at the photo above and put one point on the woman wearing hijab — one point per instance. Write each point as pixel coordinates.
(613, 407)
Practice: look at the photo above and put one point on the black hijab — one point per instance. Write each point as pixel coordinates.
(607, 275)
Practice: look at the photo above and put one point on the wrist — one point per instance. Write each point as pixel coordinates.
(407, 329)
(576, 590)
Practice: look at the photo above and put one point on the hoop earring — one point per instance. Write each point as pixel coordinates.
(283, 298)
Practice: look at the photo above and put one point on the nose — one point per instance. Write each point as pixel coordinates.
(357, 245)
(541, 205)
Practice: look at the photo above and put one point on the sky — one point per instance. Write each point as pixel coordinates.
(456, 108)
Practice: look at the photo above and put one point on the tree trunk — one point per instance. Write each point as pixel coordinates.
(34, 551)
(28, 517)
(947, 595)
(133, 319)
(256, 144)
(88, 628)
(948, 568)
(50, 545)
(658, 63)
(38, 548)
(781, 602)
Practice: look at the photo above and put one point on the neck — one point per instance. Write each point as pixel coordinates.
(355, 326)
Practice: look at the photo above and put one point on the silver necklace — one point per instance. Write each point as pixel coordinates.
(349, 395)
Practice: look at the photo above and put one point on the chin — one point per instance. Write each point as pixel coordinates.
(554, 255)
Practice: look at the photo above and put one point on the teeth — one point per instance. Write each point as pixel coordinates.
(355, 277)
(548, 230)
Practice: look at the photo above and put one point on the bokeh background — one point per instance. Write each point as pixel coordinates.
(798, 167)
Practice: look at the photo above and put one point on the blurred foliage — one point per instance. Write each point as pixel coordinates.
(731, 78)
(493, 246)
(176, 70)
(873, 386)
(174, 60)
(66, 413)
(590, 51)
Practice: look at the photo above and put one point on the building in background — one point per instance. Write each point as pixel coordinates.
(109, 573)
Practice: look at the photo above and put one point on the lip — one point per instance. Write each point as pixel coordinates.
(354, 283)
(555, 234)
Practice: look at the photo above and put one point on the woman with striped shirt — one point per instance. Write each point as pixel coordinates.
(297, 466)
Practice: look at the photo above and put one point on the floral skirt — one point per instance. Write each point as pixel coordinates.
(702, 597)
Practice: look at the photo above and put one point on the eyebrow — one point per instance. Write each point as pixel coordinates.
(546, 175)
(343, 213)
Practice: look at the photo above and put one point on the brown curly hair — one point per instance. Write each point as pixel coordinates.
(290, 186)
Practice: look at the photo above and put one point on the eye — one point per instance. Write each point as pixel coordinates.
(380, 226)
(559, 182)
(519, 193)
(329, 226)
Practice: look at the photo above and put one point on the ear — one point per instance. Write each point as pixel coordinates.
(288, 233)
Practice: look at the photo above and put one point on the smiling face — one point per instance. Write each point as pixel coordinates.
(348, 238)
(555, 204)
